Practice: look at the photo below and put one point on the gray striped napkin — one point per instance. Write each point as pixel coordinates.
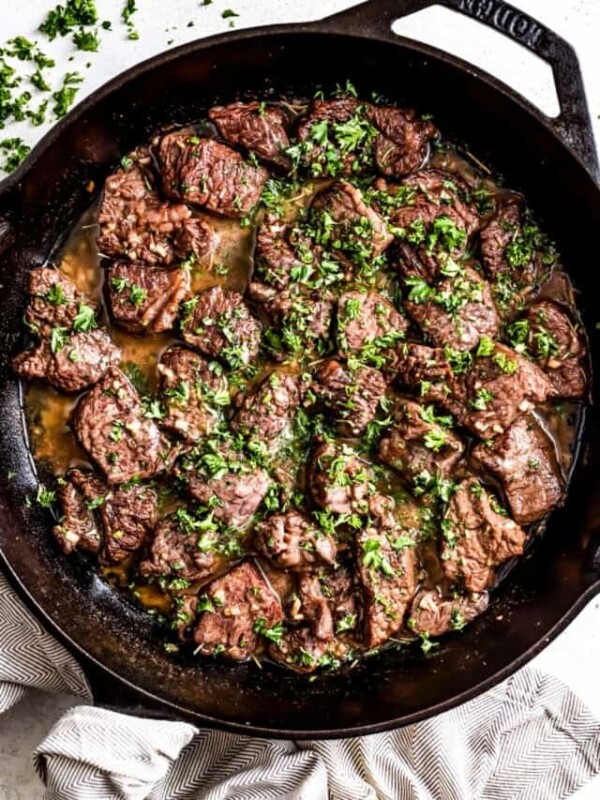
(530, 738)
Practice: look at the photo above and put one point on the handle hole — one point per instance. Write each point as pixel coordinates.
(486, 48)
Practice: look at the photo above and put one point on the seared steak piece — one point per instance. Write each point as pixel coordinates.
(72, 352)
(388, 566)
(393, 140)
(257, 127)
(275, 258)
(420, 441)
(434, 615)
(136, 224)
(425, 370)
(548, 336)
(208, 173)
(339, 480)
(368, 320)
(145, 299)
(515, 255)
(127, 515)
(70, 364)
(477, 537)
(351, 395)
(192, 393)
(292, 541)
(431, 220)
(345, 205)
(525, 461)
(456, 312)
(403, 141)
(243, 605)
(218, 323)
(54, 301)
(78, 528)
(111, 427)
(267, 411)
(179, 550)
(499, 387)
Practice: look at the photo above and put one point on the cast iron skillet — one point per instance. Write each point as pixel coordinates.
(552, 161)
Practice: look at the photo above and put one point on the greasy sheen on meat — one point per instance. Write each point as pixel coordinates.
(340, 481)
(267, 411)
(146, 299)
(367, 320)
(433, 614)
(292, 541)
(209, 174)
(256, 127)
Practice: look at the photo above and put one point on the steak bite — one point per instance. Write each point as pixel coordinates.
(547, 335)
(127, 515)
(425, 370)
(388, 566)
(430, 219)
(420, 441)
(456, 312)
(275, 258)
(210, 174)
(524, 459)
(111, 427)
(478, 537)
(183, 548)
(516, 256)
(292, 541)
(219, 324)
(136, 224)
(242, 604)
(267, 411)
(339, 480)
(368, 321)
(254, 126)
(193, 394)
(403, 141)
(144, 299)
(351, 395)
(345, 206)
(72, 352)
(433, 615)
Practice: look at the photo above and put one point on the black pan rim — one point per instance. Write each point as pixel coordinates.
(155, 62)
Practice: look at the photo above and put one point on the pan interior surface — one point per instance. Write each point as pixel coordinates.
(539, 595)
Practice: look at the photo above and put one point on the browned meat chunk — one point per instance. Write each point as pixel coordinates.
(524, 459)
(548, 336)
(477, 537)
(78, 528)
(146, 299)
(183, 548)
(267, 412)
(516, 256)
(345, 207)
(456, 312)
(257, 127)
(425, 370)
(192, 393)
(345, 137)
(420, 442)
(136, 224)
(243, 606)
(70, 363)
(403, 141)
(111, 427)
(73, 352)
(388, 566)
(367, 321)
(275, 259)
(208, 173)
(218, 323)
(127, 515)
(340, 481)
(291, 541)
(500, 386)
(431, 221)
(351, 395)
(434, 615)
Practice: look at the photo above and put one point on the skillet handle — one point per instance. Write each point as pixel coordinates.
(573, 125)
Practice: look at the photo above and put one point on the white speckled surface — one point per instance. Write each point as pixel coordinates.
(575, 655)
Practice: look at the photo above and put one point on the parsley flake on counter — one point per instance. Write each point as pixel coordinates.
(65, 96)
(14, 151)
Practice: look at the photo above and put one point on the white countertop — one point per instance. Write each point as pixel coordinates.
(575, 655)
